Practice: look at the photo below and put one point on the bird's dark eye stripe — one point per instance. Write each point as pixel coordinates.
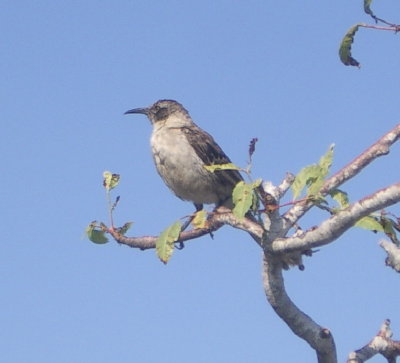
(162, 113)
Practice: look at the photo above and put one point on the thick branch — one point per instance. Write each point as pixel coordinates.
(381, 147)
(393, 254)
(380, 344)
(332, 228)
(279, 191)
(301, 324)
(328, 231)
(276, 248)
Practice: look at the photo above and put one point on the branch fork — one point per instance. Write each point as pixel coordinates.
(272, 237)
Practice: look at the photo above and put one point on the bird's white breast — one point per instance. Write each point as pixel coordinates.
(180, 167)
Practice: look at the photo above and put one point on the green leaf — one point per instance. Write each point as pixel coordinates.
(326, 160)
(340, 197)
(125, 228)
(369, 223)
(313, 176)
(242, 197)
(94, 234)
(316, 183)
(345, 47)
(325, 163)
(110, 180)
(165, 242)
(256, 195)
(306, 177)
(388, 225)
(256, 183)
(367, 9)
(228, 166)
(200, 219)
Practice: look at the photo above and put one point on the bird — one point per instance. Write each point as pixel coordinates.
(181, 150)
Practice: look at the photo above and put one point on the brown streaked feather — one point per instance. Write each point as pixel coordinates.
(211, 154)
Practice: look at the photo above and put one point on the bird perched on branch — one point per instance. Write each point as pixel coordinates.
(181, 149)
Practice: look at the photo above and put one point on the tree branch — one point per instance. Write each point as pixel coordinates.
(281, 226)
(391, 27)
(149, 242)
(335, 226)
(214, 222)
(381, 147)
(280, 252)
(380, 344)
(328, 231)
(393, 254)
(301, 324)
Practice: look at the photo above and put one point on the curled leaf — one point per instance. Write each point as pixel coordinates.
(110, 180)
(95, 234)
(367, 9)
(345, 47)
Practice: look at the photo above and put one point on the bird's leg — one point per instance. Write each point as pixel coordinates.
(198, 207)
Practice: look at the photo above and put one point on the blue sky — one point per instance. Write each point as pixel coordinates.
(249, 69)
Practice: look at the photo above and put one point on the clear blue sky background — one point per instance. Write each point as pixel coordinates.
(244, 69)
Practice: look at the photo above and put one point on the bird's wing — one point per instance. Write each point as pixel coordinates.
(210, 153)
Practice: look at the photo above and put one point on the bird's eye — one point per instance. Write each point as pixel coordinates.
(161, 113)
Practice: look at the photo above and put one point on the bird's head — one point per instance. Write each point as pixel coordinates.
(162, 110)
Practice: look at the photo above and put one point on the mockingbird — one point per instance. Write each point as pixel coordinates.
(181, 149)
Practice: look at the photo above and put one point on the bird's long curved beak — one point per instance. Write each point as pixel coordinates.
(144, 111)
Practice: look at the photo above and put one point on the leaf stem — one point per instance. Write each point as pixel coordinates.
(110, 207)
